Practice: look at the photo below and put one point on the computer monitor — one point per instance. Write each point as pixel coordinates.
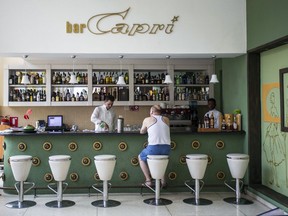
(54, 122)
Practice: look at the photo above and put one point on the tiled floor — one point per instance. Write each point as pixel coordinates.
(132, 204)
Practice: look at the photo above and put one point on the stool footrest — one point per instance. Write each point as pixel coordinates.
(94, 186)
(231, 187)
(55, 191)
(192, 189)
(24, 183)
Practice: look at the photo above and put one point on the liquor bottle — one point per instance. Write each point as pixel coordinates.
(81, 98)
(85, 95)
(206, 121)
(101, 79)
(63, 77)
(77, 96)
(167, 96)
(228, 124)
(11, 79)
(102, 95)
(58, 79)
(78, 78)
(146, 79)
(114, 93)
(193, 78)
(107, 79)
(136, 95)
(38, 98)
(110, 78)
(94, 78)
(223, 125)
(15, 79)
(235, 126)
(211, 120)
(19, 76)
(11, 95)
(206, 79)
(126, 78)
(44, 95)
(36, 79)
(184, 78)
(32, 79)
(86, 78)
(43, 78)
(73, 98)
(68, 95)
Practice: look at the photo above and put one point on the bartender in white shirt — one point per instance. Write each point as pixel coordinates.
(216, 114)
(103, 116)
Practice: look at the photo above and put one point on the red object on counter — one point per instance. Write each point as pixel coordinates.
(14, 121)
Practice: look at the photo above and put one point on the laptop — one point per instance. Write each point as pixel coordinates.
(54, 123)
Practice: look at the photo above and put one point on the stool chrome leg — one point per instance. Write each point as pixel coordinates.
(197, 200)
(237, 199)
(59, 203)
(21, 203)
(157, 201)
(105, 202)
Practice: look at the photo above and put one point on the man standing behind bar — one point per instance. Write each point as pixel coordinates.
(216, 114)
(158, 128)
(103, 116)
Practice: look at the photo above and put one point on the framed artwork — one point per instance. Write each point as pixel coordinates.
(283, 75)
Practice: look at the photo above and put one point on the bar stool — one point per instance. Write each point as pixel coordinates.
(105, 165)
(237, 164)
(21, 165)
(197, 164)
(59, 165)
(157, 165)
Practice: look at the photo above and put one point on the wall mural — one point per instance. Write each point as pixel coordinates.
(274, 140)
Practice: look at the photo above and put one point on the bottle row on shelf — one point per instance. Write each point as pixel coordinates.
(154, 94)
(27, 95)
(69, 95)
(191, 78)
(109, 77)
(148, 78)
(35, 78)
(119, 93)
(63, 77)
(186, 94)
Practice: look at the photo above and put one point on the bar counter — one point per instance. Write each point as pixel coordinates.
(127, 177)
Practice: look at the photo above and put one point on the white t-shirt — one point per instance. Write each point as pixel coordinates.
(216, 115)
(100, 114)
(159, 132)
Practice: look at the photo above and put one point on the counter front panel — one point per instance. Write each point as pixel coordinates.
(127, 177)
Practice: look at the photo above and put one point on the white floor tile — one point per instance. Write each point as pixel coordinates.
(132, 204)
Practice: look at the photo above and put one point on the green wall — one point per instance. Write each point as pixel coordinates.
(274, 150)
(266, 21)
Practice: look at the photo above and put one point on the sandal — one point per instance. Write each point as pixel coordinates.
(148, 183)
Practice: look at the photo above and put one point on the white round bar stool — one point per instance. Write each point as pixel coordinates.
(157, 165)
(238, 165)
(197, 164)
(59, 165)
(105, 165)
(21, 165)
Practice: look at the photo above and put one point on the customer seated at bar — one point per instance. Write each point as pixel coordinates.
(158, 129)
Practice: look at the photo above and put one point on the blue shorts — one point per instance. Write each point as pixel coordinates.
(155, 150)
